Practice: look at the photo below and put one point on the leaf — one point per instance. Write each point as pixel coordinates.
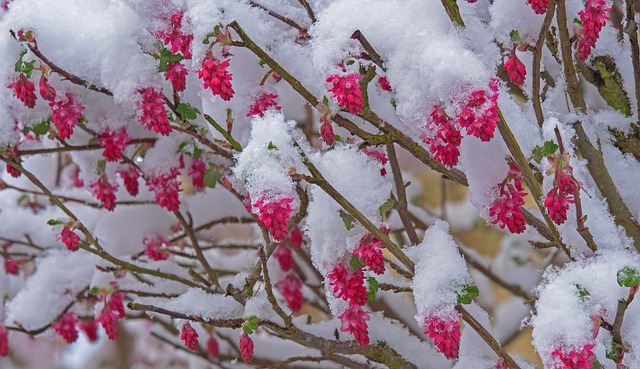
(54, 222)
(187, 112)
(212, 177)
(27, 68)
(167, 57)
(94, 291)
(372, 288)
(41, 128)
(469, 292)
(271, 146)
(102, 164)
(356, 263)
(385, 207)
(325, 101)
(18, 66)
(584, 294)
(347, 219)
(613, 352)
(549, 148)
(536, 154)
(514, 35)
(250, 324)
(628, 277)
(394, 103)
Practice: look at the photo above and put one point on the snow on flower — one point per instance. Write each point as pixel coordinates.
(65, 114)
(24, 90)
(153, 114)
(216, 77)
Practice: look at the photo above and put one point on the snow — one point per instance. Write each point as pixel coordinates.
(196, 302)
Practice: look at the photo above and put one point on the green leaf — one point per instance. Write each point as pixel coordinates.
(514, 35)
(351, 62)
(250, 324)
(584, 294)
(394, 103)
(94, 291)
(271, 146)
(356, 263)
(628, 277)
(549, 148)
(212, 177)
(372, 288)
(100, 167)
(18, 66)
(385, 207)
(27, 68)
(54, 222)
(613, 352)
(325, 101)
(469, 292)
(536, 154)
(41, 128)
(167, 57)
(347, 219)
(187, 112)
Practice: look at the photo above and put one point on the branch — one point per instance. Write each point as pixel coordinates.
(279, 17)
(537, 59)
(402, 195)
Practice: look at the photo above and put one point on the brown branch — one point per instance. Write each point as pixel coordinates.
(307, 7)
(267, 283)
(196, 246)
(279, 17)
(402, 195)
(373, 54)
(88, 147)
(631, 29)
(537, 59)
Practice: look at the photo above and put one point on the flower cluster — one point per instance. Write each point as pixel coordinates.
(539, 6)
(246, 348)
(65, 327)
(445, 333)
(377, 156)
(46, 90)
(175, 38)
(326, 131)
(213, 348)
(90, 329)
(130, 177)
(559, 197)
(166, 189)
(24, 90)
(275, 215)
(593, 18)
(574, 359)
(114, 143)
(346, 91)
(153, 114)
(156, 248)
(480, 113)
(11, 154)
(349, 286)
(190, 337)
(370, 252)
(177, 74)
(289, 284)
(263, 103)
(11, 266)
(105, 192)
(505, 210)
(112, 311)
(65, 114)
(515, 69)
(4, 342)
(216, 77)
(69, 238)
(444, 144)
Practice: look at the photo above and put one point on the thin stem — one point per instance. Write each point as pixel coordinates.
(196, 246)
(402, 195)
(227, 135)
(268, 287)
(87, 147)
(279, 17)
(537, 61)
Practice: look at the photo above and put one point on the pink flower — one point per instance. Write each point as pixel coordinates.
(326, 131)
(296, 237)
(4, 342)
(153, 113)
(157, 248)
(354, 321)
(46, 90)
(263, 103)
(65, 327)
(24, 90)
(11, 266)
(593, 17)
(574, 359)
(291, 288)
(177, 74)
(65, 114)
(348, 285)
(190, 337)
(108, 321)
(246, 348)
(370, 251)
(557, 204)
(90, 329)
(116, 303)
(130, 177)
(215, 77)
(212, 347)
(444, 144)
(539, 6)
(383, 82)
(505, 210)
(565, 181)
(105, 192)
(167, 190)
(275, 215)
(196, 172)
(346, 91)
(445, 334)
(480, 114)
(377, 156)
(70, 238)
(283, 254)
(515, 69)
(12, 155)
(114, 143)
(179, 41)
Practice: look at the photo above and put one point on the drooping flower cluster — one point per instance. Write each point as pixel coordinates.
(190, 337)
(175, 38)
(480, 113)
(445, 333)
(105, 192)
(505, 210)
(112, 311)
(574, 359)
(46, 90)
(65, 114)
(166, 189)
(213, 348)
(326, 131)
(246, 348)
(444, 144)
(349, 286)
(370, 252)
(275, 215)
(346, 91)
(130, 177)
(153, 114)
(114, 143)
(383, 82)
(90, 329)
(24, 90)
(515, 69)
(197, 170)
(539, 6)
(263, 103)
(157, 248)
(377, 156)
(65, 327)
(216, 77)
(177, 74)
(4, 342)
(283, 254)
(69, 238)
(593, 18)
(11, 266)
(11, 154)
(291, 288)
(559, 197)
(354, 321)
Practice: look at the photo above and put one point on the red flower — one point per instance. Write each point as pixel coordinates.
(246, 348)
(539, 6)
(24, 90)
(11, 266)
(215, 77)
(212, 347)
(296, 237)
(263, 103)
(574, 359)
(108, 321)
(190, 337)
(70, 238)
(65, 327)
(505, 210)
(105, 192)
(515, 69)
(154, 114)
(346, 91)
(275, 215)
(348, 285)
(593, 17)
(65, 114)
(370, 251)
(156, 248)
(90, 329)
(116, 303)
(557, 204)
(130, 177)
(291, 288)
(46, 90)
(445, 334)
(480, 114)
(285, 259)
(196, 172)
(178, 41)
(354, 321)
(444, 144)
(326, 131)
(167, 190)
(383, 82)
(114, 143)
(177, 74)
(4, 342)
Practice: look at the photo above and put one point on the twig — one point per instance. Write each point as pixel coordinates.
(267, 284)
(196, 246)
(373, 54)
(402, 195)
(537, 59)
(307, 7)
(279, 17)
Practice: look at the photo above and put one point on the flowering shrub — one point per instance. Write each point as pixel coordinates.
(237, 183)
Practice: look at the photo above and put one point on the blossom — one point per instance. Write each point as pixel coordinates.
(114, 143)
(263, 103)
(444, 144)
(291, 289)
(557, 204)
(130, 177)
(515, 69)
(326, 131)
(105, 192)
(539, 6)
(216, 77)
(46, 90)
(445, 333)
(4, 342)
(156, 248)
(212, 347)
(69, 238)
(190, 337)
(283, 254)
(574, 359)
(65, 327)
(296, 237)
(65, 114)
(197, 171)
(108, 321)
(348, 285)
(383, 82)
(370, 251)
(275, 215)
(11, 266)
(377, 156)
(480, 114)
(24, 90)
(354, 321)
(115, 303)
(175, 38)
(246, 348)
(153, 114)
(346, 91)
(593, 18)
(177, 74)
(90, 329)
(166, 189)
